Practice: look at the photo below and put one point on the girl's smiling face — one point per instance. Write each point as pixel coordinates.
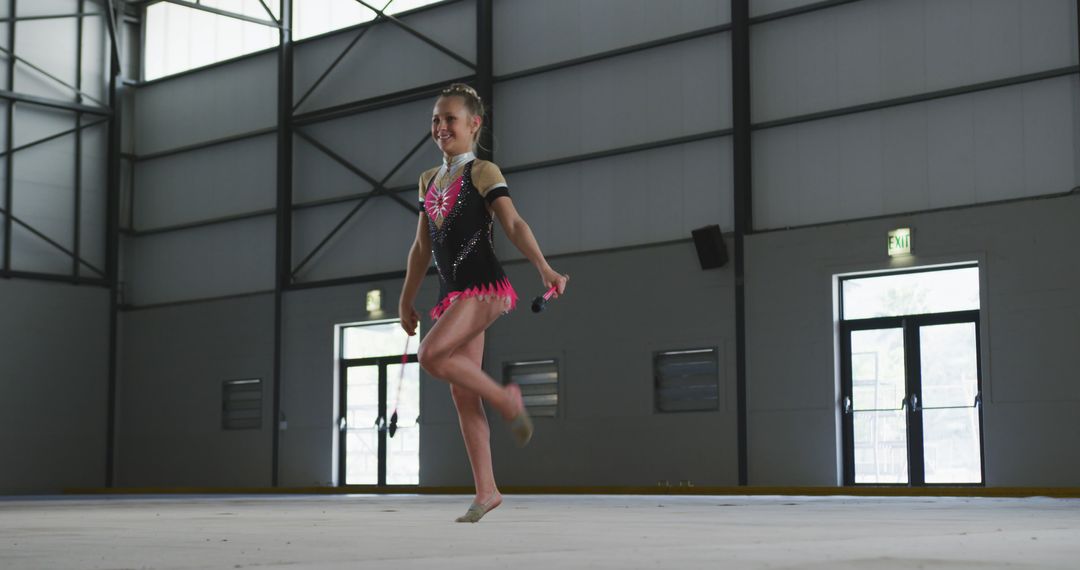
(452, 127)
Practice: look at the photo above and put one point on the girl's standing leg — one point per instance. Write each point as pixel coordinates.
(475, 431)
(452, 351)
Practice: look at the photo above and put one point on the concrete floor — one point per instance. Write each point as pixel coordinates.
(564, 532)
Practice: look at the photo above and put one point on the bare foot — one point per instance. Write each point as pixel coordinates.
(481, 507)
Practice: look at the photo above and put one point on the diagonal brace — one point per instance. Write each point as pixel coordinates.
(419, 35)
(269, 12)
(226, 13)
(377, 185)
(52, 137)
(52, 243)
(340, 57)
(74, 89)
(380, 190)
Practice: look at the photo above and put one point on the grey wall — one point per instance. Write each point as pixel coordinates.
(1030, 330)
(606, 432)
(169, 401)
(54, 337)
(53, 385)
(971, 149)
(621, 308)
(309, 445)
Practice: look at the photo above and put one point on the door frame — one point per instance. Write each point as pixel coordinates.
(343, 399)
(910, 325)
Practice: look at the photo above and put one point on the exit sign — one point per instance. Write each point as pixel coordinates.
(900, 241)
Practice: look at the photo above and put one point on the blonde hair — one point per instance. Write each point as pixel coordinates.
(473, 105)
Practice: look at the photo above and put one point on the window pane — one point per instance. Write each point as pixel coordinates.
(403, 449)
(361, 436)
(911, 293)
(881, 447)
(949, 365)
(180, 38)
(314, 17)
(951, 440)
(246, 7)
(382, 339)
(877, 369)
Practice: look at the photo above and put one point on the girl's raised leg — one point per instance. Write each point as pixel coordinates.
(441, 354)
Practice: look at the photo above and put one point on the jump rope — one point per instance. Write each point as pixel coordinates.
(538, 305)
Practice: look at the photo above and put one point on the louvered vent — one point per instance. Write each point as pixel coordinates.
(539, 381)
(241, 404)
(687, 380)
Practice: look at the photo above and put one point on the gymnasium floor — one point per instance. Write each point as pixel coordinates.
(536, 531)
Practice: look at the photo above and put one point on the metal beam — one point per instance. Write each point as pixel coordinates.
(78, 143)
(920, 98)
(270, 12)
(419, 35)
(283, 247)
(337, 60)
(798, 10)
(704, 32)
(9, 137)
(74, 89)
(617, 151)
(226, 13)
(204, 144)
(426, 91)
(110, 22)
(485, 75)
(51, 242)
(332, 233)
(36, 276)
(376, 184)
(378, 102)
(743, 212)
(112, 250)
(49, 17)
(379, 189)
(45, 102)
(53, 137)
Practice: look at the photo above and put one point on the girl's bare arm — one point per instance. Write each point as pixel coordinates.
(522, 237)
(419, 261)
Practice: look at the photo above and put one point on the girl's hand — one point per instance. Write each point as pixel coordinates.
(553, 278)
(409, 318)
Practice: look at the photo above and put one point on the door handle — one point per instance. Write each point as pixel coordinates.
(847, 404)
(915, 403)
(342, 423)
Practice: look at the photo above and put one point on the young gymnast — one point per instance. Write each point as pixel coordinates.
(457, 200)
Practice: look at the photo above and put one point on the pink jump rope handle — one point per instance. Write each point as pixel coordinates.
(539, 303)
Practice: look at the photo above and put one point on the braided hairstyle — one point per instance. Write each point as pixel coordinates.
(473, 104)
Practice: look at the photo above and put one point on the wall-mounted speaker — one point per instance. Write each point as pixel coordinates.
(711, 249)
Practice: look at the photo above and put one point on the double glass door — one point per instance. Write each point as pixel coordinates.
(911, 400)
(372, 389)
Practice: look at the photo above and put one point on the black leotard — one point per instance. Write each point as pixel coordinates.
(460, 227)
